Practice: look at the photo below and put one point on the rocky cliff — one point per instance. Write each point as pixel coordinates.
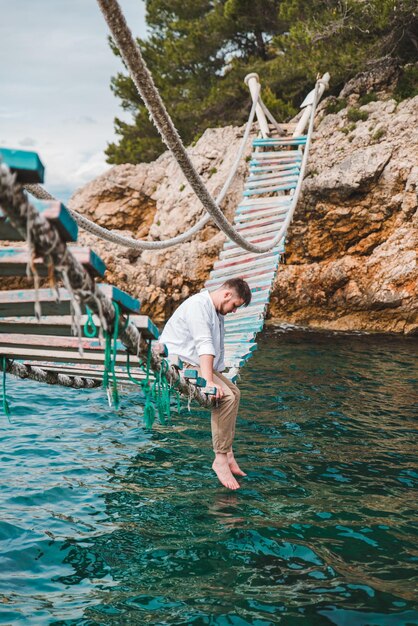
(351, 252)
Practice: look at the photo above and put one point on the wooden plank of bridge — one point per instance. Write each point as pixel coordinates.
(27, 165)
(22, 301)
(237, 337)
(251, 203)
(127, 303)
(245, 326)
(278, 213)
(89, 371)
(52, 210)
(263, 227)
(238, 252)
(280, 141)
(266, 271)
(245, 257)
(262, 176)
(234, 362)
(257, 281)
(53, 342)
(279, 155)
(257, 169)
(64, 356)
(14, 261)
(276, 188)
(61, 325)
(260, 183)
(258, 238)
(242, 263)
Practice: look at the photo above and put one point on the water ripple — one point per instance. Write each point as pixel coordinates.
(103, 523)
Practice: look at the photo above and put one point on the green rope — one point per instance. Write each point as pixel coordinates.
(6, 405)
(149, 410)
(157, 395)
(128, 369)
(110, 357)
(161, 391)
(90, 329)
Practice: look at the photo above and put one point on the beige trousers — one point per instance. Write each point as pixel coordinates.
(224, 413)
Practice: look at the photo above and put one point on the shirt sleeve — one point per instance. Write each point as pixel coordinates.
(198, 319)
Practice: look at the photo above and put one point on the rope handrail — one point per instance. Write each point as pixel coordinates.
(45, 242)
(143, 80)
(39, 192)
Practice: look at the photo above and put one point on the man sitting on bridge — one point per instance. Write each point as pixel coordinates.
(195, 333)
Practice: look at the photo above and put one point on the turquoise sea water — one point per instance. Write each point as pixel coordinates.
(104, 523)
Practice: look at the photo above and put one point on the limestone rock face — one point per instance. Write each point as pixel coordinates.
(154, 201)
(353, 174)
(351, 260)
(351, 251)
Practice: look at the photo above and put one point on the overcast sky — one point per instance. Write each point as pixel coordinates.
(55, 73)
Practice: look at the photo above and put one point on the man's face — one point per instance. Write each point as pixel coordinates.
(230, 302)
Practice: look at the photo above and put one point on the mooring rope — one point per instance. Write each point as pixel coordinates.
(143, 80)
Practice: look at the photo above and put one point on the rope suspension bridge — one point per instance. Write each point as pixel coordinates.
(82, 333)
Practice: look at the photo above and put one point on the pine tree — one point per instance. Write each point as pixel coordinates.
(199, 52)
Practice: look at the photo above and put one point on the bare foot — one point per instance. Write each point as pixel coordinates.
(221, 469)
(233, 465)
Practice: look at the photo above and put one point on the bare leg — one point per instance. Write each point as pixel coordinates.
(233, 465)
(221, 468)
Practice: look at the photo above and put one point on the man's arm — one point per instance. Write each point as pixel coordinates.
(206, 369)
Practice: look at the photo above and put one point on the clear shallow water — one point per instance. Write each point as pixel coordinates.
(104, 523)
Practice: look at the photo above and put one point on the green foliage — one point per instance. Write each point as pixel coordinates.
(355, 115)
(348, 129)
(381, 132)
(199, 52)
(407, 86)
(335, 106)
(366, 98)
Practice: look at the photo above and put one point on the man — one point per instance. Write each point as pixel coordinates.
(195, 333)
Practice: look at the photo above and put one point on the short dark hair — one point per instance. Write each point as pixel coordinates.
(241, 287)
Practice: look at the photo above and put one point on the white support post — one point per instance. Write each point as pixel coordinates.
(252, 81)
(307, 105)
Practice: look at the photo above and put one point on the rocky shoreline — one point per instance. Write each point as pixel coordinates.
(351, 251)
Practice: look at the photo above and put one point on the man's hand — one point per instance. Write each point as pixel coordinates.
(206, 370)
(219, 390)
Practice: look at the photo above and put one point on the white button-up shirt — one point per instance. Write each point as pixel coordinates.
(196, 328)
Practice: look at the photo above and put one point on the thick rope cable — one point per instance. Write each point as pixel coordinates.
(46, 243)
(39, 192)
(32, 372)
(142, 78)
